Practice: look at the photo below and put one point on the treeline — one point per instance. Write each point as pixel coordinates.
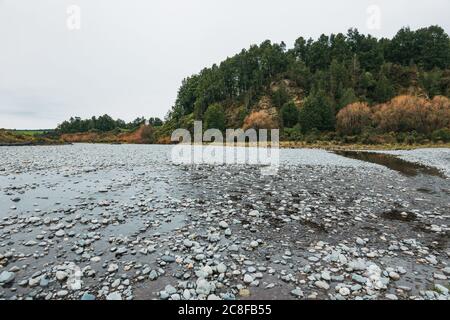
(330, 73)
(104, 123)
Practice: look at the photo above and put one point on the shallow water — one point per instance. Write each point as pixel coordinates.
(392, 162)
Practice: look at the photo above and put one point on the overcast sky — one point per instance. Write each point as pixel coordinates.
(129, 56)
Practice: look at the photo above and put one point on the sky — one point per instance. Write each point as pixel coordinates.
(127, 58)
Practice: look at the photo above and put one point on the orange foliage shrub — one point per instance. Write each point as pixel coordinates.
(410, 113)
(353, 118)
(260, 120)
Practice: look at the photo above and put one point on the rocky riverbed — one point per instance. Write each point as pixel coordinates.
(121, 222)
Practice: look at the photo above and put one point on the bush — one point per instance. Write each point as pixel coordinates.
(441, 135)
(260, 120)
(293, 134)
(411, 113)
(353, 119)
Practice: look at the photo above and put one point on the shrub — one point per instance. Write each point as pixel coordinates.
(260, 120)
(441, 135)
(353, 119)
(411, 113)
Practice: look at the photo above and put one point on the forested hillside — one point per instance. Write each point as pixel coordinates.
(303, 89)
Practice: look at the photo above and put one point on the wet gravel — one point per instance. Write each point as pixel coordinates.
(122, 222)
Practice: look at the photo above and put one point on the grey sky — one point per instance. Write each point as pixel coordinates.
(129, 57)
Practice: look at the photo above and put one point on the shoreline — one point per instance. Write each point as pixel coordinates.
(282, 145)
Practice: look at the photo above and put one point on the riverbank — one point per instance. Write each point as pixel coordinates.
(141, 136)
(121, 222)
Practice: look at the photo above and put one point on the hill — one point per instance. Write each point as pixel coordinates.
(302, 90)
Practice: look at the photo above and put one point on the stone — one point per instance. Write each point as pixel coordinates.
(223, 225)
(7, 277)
(62, 293)
(153, 275)
(297, 292)
(221, 268)
(254, 244)
(344, 291)
(248, 279)
(61, 275)
(203, 287)
(394, 276)
(87, 297)
(187, 243)
(168, 259)
(441, 289)
(322, 285)
(113, 268)
(170, 289)
(114, 296)
(60, 233)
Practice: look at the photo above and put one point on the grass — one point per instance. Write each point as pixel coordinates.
(29, 132)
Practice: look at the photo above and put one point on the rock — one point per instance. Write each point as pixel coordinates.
(391, 296)
(297, 292)
(62, 293)
(170, 289)
(114, 296)
(446, 271)
(439, 276)
(253, 213)
(116, 283)
(244, 293)
(61, 275)
(60, 233)
(7, 277)
(113, 268)
(221, 268)
(203, 287)
(254, 244)
(186, 294)
(187, 243)
(168, 259)
(153, 275)
(344, 291)
(87, 297)
(394, 276)
(322, 285)
(325, 275)
(359, 279)
(248, 279)
(223, 225)
(441, 289)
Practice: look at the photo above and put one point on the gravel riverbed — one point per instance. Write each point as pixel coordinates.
(122, 222)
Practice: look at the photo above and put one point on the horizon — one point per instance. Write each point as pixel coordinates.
(111, 65)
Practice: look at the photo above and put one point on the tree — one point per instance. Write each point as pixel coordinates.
(289, 114)
(280, 97)
(215, 117)
(347, 97)
(155, 122)
(317, 113)
(384, 90)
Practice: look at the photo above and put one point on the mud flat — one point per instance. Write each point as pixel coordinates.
(122, 222)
